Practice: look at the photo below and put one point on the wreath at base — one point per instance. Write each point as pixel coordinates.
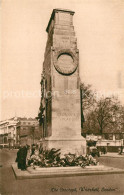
(51, 158)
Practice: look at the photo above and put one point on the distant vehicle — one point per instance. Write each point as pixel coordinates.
(94, 151)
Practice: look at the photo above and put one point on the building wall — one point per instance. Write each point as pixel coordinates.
(15, 129)
(8, 131)
(28, 131)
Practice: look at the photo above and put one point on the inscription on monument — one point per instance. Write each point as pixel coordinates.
(68, 116)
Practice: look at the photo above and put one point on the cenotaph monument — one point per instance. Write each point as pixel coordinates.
(60, 107)
(61, 99)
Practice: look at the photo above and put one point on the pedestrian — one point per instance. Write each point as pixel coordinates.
(33, 149)
(18, 158)
(24, 156)
(104, 150)
(36, 151)
(119, 150)
(41, 148)
(21, 159)
(28, 156)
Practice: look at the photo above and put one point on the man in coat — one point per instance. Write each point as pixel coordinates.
(21, 158)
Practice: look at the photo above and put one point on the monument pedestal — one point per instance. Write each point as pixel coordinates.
(75, 145)
(66, 124)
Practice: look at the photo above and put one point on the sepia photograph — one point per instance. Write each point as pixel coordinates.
(62, 97)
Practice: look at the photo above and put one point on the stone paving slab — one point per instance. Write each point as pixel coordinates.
(64, 171)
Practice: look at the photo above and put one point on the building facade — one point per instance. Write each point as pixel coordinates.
(28, 131)
(16, 131)
(8, 131)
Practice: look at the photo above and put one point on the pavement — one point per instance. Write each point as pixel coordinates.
(110, 184)
(113, 155)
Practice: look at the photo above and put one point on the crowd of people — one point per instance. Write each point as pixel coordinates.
(24, 153)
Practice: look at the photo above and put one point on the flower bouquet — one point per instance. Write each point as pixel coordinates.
(51, 158)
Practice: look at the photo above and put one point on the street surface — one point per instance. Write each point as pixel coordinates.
(93, 184)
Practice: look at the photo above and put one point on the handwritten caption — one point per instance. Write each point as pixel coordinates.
(84, 189)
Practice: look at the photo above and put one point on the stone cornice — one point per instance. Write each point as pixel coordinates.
(53, 14)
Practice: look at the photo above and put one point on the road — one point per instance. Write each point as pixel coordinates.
(93, 184)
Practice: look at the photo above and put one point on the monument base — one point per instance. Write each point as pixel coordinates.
(76, 145)
(51, 172)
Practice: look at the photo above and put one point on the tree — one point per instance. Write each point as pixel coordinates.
(87, 96)
(119, 118)
(105, 117)
(90, 124)
(107, 111)
(87, 100)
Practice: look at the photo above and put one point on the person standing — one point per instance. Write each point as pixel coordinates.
(18, 158)
(33, 149)
(22, 158)
(41, 148)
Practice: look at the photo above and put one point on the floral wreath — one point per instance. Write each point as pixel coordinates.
(69, 52)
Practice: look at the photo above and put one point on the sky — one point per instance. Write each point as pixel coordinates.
(99, 27)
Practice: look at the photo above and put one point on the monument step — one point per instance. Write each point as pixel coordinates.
(55, 172)
(67, 169)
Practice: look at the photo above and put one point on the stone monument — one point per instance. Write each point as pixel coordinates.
(61, 86)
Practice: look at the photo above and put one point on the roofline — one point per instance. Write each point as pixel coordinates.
(18, 118)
